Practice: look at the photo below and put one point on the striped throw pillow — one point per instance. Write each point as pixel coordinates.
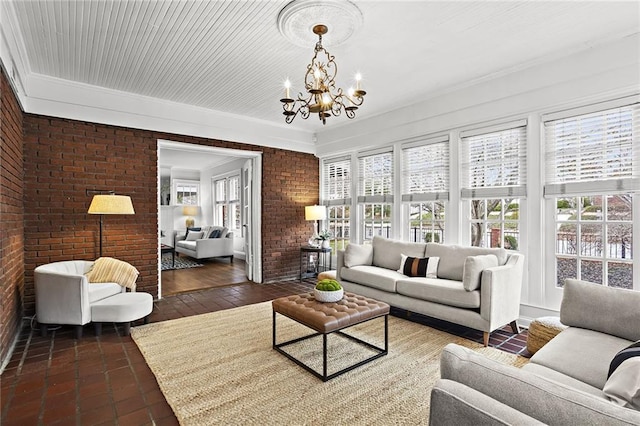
(419, 266)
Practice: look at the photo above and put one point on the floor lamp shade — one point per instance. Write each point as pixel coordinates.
(190, 211)
(110, 204)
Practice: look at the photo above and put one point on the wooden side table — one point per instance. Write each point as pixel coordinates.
(164, 248)
(320, 255)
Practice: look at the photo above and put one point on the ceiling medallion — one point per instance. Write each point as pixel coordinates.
(297, 19)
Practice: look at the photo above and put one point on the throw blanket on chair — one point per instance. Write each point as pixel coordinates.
(110, 270)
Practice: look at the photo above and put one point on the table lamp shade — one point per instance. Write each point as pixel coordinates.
(315, 213)
(190, 211)
(111, 204)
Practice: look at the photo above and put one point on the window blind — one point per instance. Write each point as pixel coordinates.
(336, 181)
(375, 178)
(494, 163)
(425, 174)
(597, 152)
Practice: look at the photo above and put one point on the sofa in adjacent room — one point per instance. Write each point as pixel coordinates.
(472, 286)
(205, 242)
(589, 374)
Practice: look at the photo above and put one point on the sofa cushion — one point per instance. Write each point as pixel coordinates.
(372, 276)
(358, 254)
(623, 387)
(548, 373)
(194, 235)
(223, 231)
(437, 290)
(190, 245)
(99, 291)
(473, 267)
(452, 258)
(387, 253)
(590, 305)
(582, 354)
(426, 267)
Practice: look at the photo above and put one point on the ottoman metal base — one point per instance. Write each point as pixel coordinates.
(329, 318)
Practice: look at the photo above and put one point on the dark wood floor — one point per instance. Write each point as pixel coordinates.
(214, 273)
(57, 380)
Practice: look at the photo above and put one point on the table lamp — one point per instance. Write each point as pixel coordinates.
(190, 211)
(315, 213)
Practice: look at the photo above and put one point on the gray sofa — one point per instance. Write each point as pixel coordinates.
(473, 286)
(565, 382)
(200, 245)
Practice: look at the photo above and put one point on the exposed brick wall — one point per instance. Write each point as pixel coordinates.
(64, 158)
(11, 217)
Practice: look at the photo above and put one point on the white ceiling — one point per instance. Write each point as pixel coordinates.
(229, 56)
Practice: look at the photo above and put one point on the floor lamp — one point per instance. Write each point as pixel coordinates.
(110, 204)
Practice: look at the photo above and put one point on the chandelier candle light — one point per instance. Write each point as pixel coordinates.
(322, 96)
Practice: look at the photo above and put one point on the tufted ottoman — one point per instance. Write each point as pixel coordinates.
(327, 318)
(122, 307)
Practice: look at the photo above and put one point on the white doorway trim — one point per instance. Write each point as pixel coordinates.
(256, 202)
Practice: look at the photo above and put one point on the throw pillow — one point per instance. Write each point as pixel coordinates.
(110, 270)
(194, 235)
(419, 266)
(623, 382)
(191, 230)
(358, 254)
(473, 267)
(215, 233)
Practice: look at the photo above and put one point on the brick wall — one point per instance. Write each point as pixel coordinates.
(64, 158)
(11, 217)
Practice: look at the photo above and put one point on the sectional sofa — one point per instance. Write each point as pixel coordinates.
(589, 374)
(472, 286)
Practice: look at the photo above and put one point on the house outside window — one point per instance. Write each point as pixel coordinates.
(494, 183)
(425, 189)
(592, 180)
(336, 195)
(375, 194)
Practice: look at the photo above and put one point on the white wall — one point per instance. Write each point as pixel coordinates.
(606, 72)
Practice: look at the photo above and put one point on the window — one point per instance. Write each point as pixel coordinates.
(186, 192)
(227, 202)
(494, 183)
(592, 177)
(336, 195)
(425, 188)
(375, 194)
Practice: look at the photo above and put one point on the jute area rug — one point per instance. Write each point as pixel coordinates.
(220, 368)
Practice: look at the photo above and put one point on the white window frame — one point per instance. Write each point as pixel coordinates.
(379, 199)
(471, 190)
(184, 182)
(557, 185)
(336, 196)
(425, 194)
(228, 203)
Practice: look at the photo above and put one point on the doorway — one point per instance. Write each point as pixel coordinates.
(193, 165)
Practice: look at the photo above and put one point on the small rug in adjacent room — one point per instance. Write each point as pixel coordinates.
(182, 262)
(220, 368)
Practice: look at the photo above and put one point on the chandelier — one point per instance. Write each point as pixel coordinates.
(322, 97)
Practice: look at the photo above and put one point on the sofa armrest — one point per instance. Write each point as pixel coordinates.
(608, 310)
(543, 399)
(453, 403)
(339, 263)
(500, 291)
(214, 247)
(62, 298)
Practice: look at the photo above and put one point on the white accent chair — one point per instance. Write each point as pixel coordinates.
(64, 295)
